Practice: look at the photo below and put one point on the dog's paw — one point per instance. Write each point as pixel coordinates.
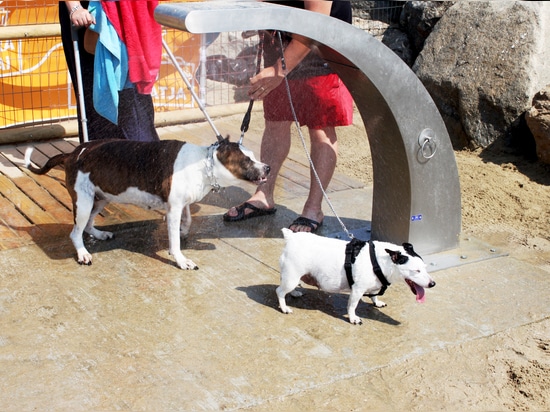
(355, 320)
(378, 303)
(296, 294)
(286, 310)
(101, 234)
(183, 262)
(84, 258)
(188, 264)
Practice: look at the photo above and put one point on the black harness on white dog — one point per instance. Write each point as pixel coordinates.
(352, 250)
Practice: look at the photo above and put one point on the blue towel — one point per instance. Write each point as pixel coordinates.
(110, 65)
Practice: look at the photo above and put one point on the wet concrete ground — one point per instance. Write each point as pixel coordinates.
(134, 332)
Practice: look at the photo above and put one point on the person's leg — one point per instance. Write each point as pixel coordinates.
(98, 126)
(324, 152)
(136, 116)
(274, 150)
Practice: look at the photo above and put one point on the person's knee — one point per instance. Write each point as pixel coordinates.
(323, 136)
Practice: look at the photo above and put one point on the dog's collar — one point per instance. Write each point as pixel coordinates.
(352, 250)
(210, 167)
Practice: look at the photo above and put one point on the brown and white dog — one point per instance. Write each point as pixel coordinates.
(168, 174)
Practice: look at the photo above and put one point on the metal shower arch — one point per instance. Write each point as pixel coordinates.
(416, 194)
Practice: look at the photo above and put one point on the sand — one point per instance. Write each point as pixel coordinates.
(506, 203)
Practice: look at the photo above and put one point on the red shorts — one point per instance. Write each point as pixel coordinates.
(319, 102)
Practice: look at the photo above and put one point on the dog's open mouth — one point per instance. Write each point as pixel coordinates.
(417, 290)
(260, 181)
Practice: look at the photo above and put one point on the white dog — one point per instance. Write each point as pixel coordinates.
(321, 262)
(167, 174)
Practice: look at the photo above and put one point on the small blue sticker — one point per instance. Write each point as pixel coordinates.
(415, 218)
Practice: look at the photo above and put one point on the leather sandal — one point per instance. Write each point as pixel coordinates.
(304, 221)
(241, 215)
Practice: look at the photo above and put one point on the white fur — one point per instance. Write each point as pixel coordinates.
(323, 259)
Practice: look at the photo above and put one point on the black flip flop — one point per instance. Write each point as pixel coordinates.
(256, 212)
(304, 221)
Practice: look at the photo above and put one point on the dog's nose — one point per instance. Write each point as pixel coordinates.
(431, 284)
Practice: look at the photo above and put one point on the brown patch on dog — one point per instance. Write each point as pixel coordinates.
(120, 164)
(234, 160)
(310, 280)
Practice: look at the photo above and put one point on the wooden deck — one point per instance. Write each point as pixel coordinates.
(36, 208)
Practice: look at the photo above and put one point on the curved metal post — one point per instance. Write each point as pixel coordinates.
(416, 188)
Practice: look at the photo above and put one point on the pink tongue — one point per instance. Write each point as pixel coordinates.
(420, 297)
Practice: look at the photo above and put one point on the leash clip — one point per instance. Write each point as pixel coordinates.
(209, 161)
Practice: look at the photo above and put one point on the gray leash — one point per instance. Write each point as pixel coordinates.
(190, 88)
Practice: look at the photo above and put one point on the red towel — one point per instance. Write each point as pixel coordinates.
(142, 35)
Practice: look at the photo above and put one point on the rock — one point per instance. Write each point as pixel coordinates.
(381, 20)
(538, 120)
(399, 43)
(418, 19)
(482, 64)
(386, 11)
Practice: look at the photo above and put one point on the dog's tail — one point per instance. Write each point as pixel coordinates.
(50, 164)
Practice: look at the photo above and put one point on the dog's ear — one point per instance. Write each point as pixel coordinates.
(410, 250)
(397, 257)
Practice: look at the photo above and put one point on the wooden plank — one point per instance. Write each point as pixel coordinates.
(192, 135)
(48, 149)
(11, 158)
(9, 169)
(22, 202)
(348, 182)
(7, 244)
(7, 232)
(252, 140)
(43, 199)
(286, 188)
(115, 213)
(18, 154)
(299, 174)
(39, 159)
(138, 213)
(63, 146)
(338, 182)
(54, 186)
(170, 133)
(14, 220)
(42, 153)
(293, 175)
